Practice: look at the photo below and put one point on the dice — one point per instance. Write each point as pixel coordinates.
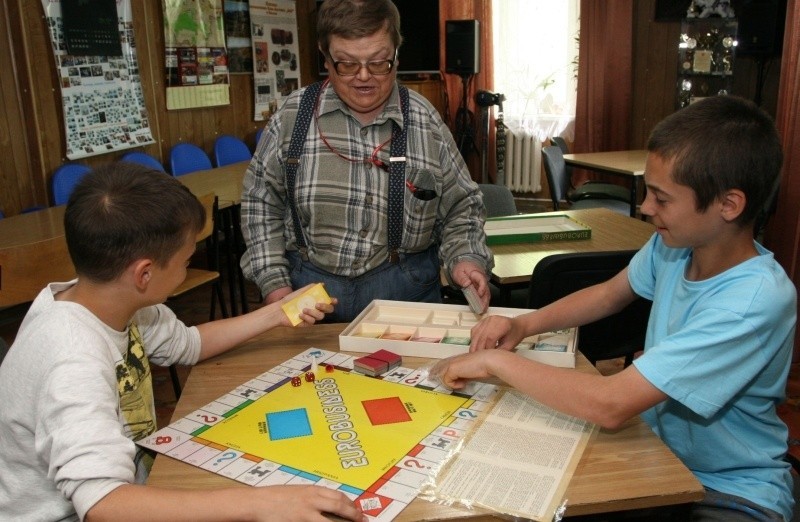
(296, 381)
(310, 377)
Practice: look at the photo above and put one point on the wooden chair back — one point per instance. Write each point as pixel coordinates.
(26, 269)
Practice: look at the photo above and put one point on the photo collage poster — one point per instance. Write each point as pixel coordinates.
(276, 66)
(237, 32)
(195, 54)
(102, 96)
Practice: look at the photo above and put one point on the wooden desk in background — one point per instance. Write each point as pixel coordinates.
(628, 164)
(43, 226)
(513, 264)
(225, 182)
(627, 469)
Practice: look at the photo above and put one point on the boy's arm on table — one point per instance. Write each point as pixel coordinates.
(606, 401)
(222, 335)
(290, 503)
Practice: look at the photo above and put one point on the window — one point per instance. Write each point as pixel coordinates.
(535, 64)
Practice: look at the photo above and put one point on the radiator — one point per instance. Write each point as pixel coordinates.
(523, 168)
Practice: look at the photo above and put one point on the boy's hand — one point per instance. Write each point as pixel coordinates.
(454, 372)
(495, 331)
(309, 315)
(304, 503)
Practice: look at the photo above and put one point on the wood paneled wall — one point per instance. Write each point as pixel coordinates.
(31, 122)
(31, 119)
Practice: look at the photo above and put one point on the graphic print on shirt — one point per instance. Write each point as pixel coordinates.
(135, 386)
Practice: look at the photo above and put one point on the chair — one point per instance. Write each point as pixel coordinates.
(498, 200)
(64, 180)
(594, 189)
(26, 269)
(555, 169)
(143, 158)
(618, 335)
(186, 157)
(197, 277)
(259, 132)
(230, 149)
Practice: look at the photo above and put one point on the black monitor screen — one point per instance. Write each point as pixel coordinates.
(419, 25)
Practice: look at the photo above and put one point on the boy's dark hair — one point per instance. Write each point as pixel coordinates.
(121, 212)
(722, 143)
(351, 19)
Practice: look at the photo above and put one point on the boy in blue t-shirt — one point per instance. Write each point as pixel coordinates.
(721, 331)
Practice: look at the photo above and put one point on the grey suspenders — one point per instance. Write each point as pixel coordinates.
(396, 169)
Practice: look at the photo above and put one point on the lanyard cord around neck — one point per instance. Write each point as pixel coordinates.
(373, 157)
(396, 168)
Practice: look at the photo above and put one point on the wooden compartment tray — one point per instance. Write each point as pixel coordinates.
(437, 331)
(529, 228)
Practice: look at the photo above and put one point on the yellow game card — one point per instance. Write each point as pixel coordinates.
(309, 299)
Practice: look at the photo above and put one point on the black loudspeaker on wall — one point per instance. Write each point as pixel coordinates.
(462, 52)
(761, 24)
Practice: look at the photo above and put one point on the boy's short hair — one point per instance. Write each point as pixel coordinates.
(121, 212)
(721, 143)
(351, 19)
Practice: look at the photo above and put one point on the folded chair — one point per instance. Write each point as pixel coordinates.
(559, 182)
(197, 277)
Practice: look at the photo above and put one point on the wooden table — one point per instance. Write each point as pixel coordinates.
(32, 227)
(225, 182)
(624, 163)
(626, 469)
(611, 231)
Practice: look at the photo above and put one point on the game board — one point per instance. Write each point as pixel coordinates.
(374, 438)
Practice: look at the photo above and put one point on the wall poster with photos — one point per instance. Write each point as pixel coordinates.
(195, 54)
(102, 97)
(237, 32)
(276, 67)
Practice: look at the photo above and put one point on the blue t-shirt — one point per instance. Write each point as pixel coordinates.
(720, 349)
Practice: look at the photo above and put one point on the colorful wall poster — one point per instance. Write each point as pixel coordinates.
(104, 108)
(195, 54)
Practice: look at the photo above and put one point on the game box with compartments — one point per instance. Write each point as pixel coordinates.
(437, 331)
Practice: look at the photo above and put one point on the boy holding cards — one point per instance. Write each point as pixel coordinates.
(76, 384)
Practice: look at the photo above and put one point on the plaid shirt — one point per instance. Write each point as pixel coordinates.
(342, 205)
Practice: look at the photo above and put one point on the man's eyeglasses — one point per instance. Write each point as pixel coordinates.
(376, 68)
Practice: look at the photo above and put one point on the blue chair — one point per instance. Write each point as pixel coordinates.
(143, 158)
(230, 149)
(259, 132)
(186, 157)
(64, 180)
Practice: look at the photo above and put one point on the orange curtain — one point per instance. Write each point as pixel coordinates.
(782, 235)
(480, 10)
(603, 107)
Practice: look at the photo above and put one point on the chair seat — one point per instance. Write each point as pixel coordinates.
(597, 189)
(195, 277)
(620, 207)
